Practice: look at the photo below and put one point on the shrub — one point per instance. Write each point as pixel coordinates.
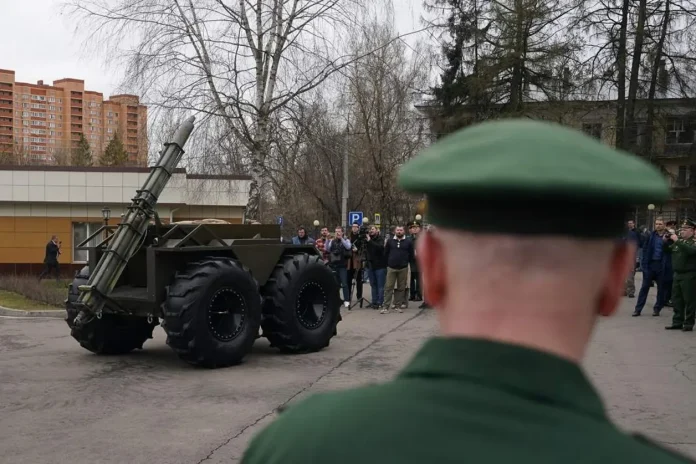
(47, 291)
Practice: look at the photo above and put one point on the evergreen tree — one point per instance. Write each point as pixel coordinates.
(82, 155)
(115, 153)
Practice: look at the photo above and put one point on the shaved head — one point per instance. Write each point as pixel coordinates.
(495, 286)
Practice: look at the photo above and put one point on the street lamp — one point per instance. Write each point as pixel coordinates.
(316, 229)
(651, 208)
(366, 221)
(106, 214)
(418, 217)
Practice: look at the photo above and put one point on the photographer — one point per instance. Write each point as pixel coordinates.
(339, 251)
(51, 258)
(357, 239)
(376, 263)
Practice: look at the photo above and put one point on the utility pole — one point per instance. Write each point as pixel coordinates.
(344, 205)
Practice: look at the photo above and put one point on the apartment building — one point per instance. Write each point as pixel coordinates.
(673, 147)
(44, 122)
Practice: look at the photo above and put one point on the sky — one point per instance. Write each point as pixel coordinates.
(51, 51)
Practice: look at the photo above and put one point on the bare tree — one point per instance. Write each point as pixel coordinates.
(237, 61)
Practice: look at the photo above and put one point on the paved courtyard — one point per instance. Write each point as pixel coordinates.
(59, 403)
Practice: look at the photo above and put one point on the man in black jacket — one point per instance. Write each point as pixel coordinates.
(414, 282)
(400, 252)
(51, 258)
(376, 262)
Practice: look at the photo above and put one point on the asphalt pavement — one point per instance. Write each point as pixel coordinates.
(62, 404)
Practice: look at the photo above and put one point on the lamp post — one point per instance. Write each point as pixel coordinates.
(419, 217)
(651, 208)
(316, 229)
(106, 214)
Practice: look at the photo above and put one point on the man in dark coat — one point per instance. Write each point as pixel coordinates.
(51, 258)
(653, 265)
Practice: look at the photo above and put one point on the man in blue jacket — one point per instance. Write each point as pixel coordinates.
(653, 265)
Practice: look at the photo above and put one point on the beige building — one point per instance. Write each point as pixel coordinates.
(44, 122)
(39, 201)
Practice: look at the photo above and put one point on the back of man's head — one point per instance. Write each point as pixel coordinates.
(516, 254)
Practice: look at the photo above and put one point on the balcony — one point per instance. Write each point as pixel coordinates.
(677, 150)
(5, 93)
(76, 127)
(75, 103)
(75, 110)
(6, 122)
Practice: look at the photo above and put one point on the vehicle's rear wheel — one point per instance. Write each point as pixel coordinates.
(112, 334)
(212, 312)
(301, 305)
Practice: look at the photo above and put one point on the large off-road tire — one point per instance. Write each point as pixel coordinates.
(301, 305)
(212, 312)
(112, 334)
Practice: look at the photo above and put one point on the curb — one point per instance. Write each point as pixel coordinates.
(52, 313)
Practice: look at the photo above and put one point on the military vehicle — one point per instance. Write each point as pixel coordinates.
(213, 286)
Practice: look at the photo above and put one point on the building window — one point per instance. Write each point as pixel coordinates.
(681, 177)
(679, 131)
(593, 129)
(82, 230)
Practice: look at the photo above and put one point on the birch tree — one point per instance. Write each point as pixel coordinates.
(236, 61)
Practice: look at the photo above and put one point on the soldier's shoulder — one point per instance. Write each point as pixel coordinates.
(316, 424)
(660, 453)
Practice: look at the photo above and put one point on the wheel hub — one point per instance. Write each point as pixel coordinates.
(312, 305)
(226, 314)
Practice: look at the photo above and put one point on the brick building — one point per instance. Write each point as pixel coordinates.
(44, 122)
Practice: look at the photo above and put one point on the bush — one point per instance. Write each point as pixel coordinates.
(47, 291)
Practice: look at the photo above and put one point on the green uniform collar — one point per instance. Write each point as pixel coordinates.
(530, 373)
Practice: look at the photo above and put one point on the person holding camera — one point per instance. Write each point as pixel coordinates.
(339, 250)
(376, 263)
(51, 258)
(355, 263)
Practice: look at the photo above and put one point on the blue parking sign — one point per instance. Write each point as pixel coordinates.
(355, 216)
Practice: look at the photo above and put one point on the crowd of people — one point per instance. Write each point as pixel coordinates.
(387, 263)
(667, 259)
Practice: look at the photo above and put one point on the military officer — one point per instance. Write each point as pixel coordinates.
(517, 292)
(683, 251)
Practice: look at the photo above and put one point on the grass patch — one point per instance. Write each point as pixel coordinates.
(13, 300)
(47, 294)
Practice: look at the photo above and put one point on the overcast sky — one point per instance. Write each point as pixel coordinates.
(44, 46)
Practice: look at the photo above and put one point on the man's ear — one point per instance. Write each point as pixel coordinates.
(623, 260)
(430, 255)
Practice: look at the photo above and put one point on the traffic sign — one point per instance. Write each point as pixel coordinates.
(279, 219)
(355, 216)
(378, 219)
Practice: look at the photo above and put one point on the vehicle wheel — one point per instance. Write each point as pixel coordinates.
(301, 305)
(112, 334)
(212, 312)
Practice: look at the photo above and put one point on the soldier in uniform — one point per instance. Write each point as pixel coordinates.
(683, 250)
(517, 292)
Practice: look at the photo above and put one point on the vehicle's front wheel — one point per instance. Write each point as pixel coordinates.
(112, 334)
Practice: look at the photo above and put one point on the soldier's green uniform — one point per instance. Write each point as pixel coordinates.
(473, 400)
(684, 284)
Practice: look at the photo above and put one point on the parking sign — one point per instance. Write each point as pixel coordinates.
(355, 216)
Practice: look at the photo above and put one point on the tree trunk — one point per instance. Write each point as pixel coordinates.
(621, 78)
(647, 148)
(631, 131)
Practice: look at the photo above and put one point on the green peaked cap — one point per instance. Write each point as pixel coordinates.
(530, 177)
